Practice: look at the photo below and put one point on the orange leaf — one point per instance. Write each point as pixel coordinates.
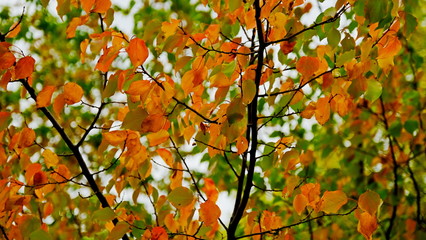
(15, 31)
(242, 144)
(83, 47)
(30, 170)
(101, 6)
(388, 46)
(7, 60)
(26, 138)
(138, 52)
(39, 178)
(75, 22)
(4, 119)
(367, 224)
(58, 104)
(159, 233)
(153, 123)
(87, 5)
(287, 47)
(309, 111)
(50, 158)
(332, 201)
(157, 137)
(24, 68)
(299, 203)
(139, 87)
(322, 112)
(209, 212)
(166, 155)
(44, 96)
(312, 192)
(72, 93)
(370, 202)
(115, 138)
(307, 66)
(210, 189)
(48, 209)
(106, 59)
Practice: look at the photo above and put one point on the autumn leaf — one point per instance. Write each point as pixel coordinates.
(242, 144)
(118, 231)
(75, 22)
(287, 47)
(72, 93)
(7, 59)
(332, 201)
(322, 111)
(370, 202)
(44, 96)
(50, 158)
(159, 233)
(307, 66)
(210, 189)
(157, 138)
(115, 138)
(367, 224)
(5, 117)
(24, 68)
(300, 202)
(101, 6)
(59, 103)
(14, 30)
(180, 197)
(138, 52)
(87, 5)
(209, 212)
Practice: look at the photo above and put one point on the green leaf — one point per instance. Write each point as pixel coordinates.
(134, 119)
(235, 111)
(40, 235)
(180, 197)
(395, 129)
(104, 214)
(374, 90)
(411, 126)
(333, 37)
(345, 57)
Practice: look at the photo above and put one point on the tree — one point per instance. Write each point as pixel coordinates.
(213, 119)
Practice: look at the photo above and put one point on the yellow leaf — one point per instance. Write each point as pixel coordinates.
(322, 112)
(138, 52)
(209, 212)
(169, 28)
(299, 203)
(44, 96)
(332, 201)
(50, 158)
(157, 137)
(370, 202)
(72, 93)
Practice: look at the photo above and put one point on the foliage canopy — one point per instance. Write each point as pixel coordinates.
(213, 119)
